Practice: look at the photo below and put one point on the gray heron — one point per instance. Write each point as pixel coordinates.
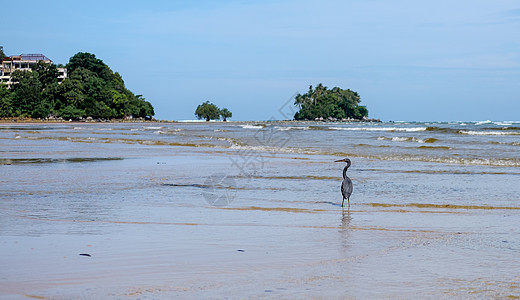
(346, 185)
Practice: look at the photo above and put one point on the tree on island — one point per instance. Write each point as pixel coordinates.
(225, 113)
(91, 89)
(321, 102)
(208, 111)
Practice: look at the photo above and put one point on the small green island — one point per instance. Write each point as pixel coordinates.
(86, 88)
(324, 104)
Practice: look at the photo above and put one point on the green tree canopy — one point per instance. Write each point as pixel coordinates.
(90, 62)
(26, 99)
(48, 73)
(321, 102)
(5, 102)
(225, 113)
(208, 111)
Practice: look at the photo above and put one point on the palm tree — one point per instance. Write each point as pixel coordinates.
(319, 91)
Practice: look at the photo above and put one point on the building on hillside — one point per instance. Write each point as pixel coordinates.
(24, 62)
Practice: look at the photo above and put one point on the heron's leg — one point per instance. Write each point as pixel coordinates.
(342, 201)
(348, 199)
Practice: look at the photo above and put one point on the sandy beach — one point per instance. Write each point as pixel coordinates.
(133, 211)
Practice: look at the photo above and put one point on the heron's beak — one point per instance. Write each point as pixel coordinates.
(341, 160)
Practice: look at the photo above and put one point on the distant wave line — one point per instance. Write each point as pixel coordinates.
(499, 123)
(499, 162)
(406, 129)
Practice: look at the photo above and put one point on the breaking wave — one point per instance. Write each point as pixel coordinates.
(499, 123)
(292, 128)
(407, 139)
(251, 126)
(494, 132)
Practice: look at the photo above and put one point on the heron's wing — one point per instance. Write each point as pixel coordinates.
(347, 187)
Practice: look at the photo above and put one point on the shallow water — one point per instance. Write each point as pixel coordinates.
(251, 210)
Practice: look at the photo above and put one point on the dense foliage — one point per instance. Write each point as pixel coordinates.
(336, 103)
(210, 111)
(225, 113)
(90, 90)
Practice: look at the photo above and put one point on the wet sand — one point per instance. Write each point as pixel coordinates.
(144, 214)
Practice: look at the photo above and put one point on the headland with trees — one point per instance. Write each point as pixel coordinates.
(91, 90)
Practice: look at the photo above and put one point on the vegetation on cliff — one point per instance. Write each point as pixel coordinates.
(91, 89)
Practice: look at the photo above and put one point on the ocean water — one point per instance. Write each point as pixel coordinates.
(252, 210)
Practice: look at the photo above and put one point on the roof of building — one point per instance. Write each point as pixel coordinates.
(36, 57)
(29, 57)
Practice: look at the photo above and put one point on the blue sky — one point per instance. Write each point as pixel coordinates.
(409, 60)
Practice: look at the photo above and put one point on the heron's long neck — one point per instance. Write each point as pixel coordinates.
(345, 171)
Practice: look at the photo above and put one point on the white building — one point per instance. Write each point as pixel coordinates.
(24, 62)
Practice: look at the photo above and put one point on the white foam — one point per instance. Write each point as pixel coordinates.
(503, 123)
(483, 122)
(406, 129)
(291, 128)
(249, 126)
(399, 139)
(499, 123)
(470, 132)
